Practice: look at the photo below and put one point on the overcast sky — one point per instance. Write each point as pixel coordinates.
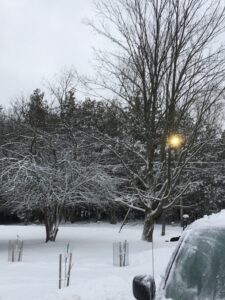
(40, 37)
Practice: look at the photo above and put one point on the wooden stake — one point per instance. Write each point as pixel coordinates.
(13, 250)
(69, 270)
(60, 271)
(20, 251)
(124, 253)
(120, 251)
(9, 250)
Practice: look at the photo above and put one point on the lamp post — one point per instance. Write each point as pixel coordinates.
(174, 142)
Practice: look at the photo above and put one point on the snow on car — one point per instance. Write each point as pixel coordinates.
(196, 270)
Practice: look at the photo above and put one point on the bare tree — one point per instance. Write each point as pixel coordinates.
(167, 67)
(62, 90)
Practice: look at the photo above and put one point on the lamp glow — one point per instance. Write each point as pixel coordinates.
(174, 141)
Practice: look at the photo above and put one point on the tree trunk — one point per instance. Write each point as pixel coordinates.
(163, 232)
(51, 227)
(51, 232)
(148, 229)
(113, 218)
(181, 212)
(47, 233)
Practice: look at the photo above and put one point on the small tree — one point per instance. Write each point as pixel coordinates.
(37, 110)
(44, 176)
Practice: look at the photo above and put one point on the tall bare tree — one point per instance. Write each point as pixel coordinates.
(167, 66)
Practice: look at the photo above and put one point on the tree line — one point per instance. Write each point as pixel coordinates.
(165, 73)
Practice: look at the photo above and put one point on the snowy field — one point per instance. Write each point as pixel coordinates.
(93, 275)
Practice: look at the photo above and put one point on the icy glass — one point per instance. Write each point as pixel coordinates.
(198, 272)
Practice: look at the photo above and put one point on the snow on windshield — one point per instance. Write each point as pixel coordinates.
(198, 272)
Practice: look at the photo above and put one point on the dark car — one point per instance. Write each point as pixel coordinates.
(196, 270)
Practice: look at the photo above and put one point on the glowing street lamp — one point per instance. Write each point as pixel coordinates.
(174, 141)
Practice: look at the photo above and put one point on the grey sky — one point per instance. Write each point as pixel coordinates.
(38, 38)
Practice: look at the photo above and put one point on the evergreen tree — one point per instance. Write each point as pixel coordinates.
(37, 110)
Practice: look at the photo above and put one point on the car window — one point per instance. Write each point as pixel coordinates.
(198, 272)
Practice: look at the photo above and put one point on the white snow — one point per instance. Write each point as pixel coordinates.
(213, 220)
(93, 275)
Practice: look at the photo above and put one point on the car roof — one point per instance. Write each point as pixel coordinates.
(211, 221)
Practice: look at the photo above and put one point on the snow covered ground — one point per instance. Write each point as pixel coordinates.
(93, 275)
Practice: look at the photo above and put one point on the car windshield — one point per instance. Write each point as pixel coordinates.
(198, 272)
